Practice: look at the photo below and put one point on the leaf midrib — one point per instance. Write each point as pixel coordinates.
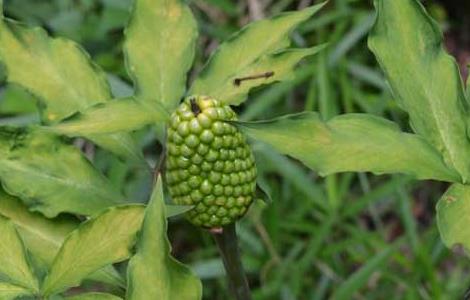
(430, 99)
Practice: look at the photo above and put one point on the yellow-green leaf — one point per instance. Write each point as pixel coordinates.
(159, 49)
(153, 273)
(59, 73)
(453, 216)
(268, 69)
(14, 264)
(101, 241)
(94, 296)
(424, 79)
(11, 292)
(251, 49)
(119, 143)
(43, 237)
(50, 176)
(110, 117)
(351, 142)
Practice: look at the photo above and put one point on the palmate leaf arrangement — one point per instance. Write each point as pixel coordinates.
(44, 252)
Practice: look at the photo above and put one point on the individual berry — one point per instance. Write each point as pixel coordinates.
(209, 165)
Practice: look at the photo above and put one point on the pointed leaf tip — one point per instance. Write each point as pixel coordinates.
(96, 243)
(14, 264)
(242, 56)
(351, 142)
(151, 58)
(153, 273)
(424, 78)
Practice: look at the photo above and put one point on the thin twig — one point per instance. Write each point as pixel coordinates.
(226, 240)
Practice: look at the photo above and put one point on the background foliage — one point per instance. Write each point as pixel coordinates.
(373, 237)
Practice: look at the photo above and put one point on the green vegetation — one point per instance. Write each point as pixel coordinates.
(346, 236)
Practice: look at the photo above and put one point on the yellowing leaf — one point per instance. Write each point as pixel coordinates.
(51, 177)
(425, 80)
(14, 264)
(351, 142)
(268, 69)
(251, 49)
(101, 241)
(55, 70)
(110, 117)
(60, 74)
(11, 292)
(43, 237)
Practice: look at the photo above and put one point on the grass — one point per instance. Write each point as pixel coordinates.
(348, 236)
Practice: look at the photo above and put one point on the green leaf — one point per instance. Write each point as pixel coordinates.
(15, 101)
(11, 292)
(467, 90)
(57, 72)
(153, 273)
(110, 117)
(263, 192)
(13, 259)
(351, 142)
(249, 52)
(50, 176)
(121, 144)
(275, 67)
(453, 216)
(43, 237)
(424, 79)
(175, 210)
(101, 241)
(94, 296)
(159, 48)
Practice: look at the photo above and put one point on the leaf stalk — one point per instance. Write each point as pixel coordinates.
(227, 243)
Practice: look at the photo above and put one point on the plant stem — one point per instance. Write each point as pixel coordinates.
(228, 248)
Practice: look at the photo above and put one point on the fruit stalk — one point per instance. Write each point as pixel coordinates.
(227, 243)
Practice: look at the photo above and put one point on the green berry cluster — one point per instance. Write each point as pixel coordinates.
(209, 163)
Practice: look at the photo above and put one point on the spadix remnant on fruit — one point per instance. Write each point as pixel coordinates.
(209, 165)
